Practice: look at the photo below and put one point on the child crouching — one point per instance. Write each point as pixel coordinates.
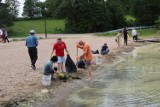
(49, 71)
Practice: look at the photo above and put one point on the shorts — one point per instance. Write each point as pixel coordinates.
(88, 63)
(61, 59)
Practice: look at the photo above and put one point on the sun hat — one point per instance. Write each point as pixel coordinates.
(32, 31)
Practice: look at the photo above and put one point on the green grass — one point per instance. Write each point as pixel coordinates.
(22, 28)
(148, 32)
(107, 34)
(142, 33)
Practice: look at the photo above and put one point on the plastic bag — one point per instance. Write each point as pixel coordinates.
(98, 60)
(70, 65)
(46, 80)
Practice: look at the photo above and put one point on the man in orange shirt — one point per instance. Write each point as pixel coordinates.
(87, 56)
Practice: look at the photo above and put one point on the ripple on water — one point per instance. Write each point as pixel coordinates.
(132, 83)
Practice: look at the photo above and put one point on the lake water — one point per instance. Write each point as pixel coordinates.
(134, 82)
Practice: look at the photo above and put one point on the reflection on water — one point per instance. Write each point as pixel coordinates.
(132, 83)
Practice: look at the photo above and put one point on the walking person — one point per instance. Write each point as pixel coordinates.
(1, 34)
(59, 48)
(125, 35)
(6, 36)
(87, 56)
(32, 43)
(2, 31)
(134, 34)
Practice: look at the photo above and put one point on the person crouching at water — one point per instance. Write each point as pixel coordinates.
(104, 50)
(49, 69)
(32, 43)
(59, 48)
(87, 56)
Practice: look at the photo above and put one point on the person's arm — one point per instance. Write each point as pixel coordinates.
(65, 47)
(26, 42)
(36, 41)
(52, 53)
(79, 46)
(54, 47)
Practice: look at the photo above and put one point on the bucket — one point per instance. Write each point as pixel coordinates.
(46, 81)
(98, 60)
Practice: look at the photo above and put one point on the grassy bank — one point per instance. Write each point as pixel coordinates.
(22, 28)
(141, 33)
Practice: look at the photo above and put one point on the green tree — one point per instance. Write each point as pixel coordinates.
(117, 15)
(41, 9)
(13, 7)
(57, 8)
(146, 11)
(87, 16)
(30, 9)
(5, 16)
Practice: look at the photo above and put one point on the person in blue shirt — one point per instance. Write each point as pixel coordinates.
(49, 69)
(32, 43)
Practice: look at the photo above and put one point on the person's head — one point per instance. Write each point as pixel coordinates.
(54, 59)
(59, 40)
(32, 32)
(81, 43)
(105, 44)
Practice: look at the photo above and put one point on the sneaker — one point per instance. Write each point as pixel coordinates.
(33, 67)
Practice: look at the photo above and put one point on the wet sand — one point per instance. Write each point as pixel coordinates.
(19, 81)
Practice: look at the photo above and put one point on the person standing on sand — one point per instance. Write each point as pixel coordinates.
(32, 43)
(6, 36)
(59, 48)
(87, 56)
(125, 35)
(118, 39)
(2, 34)
(134, 34)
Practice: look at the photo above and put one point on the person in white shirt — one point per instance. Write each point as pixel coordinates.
(134, 34)
(1, 32)
(2, 35)
(118, 40)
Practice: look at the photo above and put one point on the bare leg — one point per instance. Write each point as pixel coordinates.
(59, 66)
(62, 67)
(89, 73)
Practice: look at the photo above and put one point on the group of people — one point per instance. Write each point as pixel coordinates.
(4, 35)
(59, 57)
(125, 35)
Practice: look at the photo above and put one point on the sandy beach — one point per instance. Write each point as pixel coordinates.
(19, 80)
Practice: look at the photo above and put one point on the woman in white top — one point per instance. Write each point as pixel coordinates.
(118, 39)
(134, 34)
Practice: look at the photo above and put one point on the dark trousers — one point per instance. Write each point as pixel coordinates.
(135, 38)
(6, 39)
(33, 54)
(125, 41)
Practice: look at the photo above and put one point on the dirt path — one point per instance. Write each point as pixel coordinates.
(17, 77)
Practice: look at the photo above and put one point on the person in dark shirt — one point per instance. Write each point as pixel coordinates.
(104, 50)
(125, 33)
